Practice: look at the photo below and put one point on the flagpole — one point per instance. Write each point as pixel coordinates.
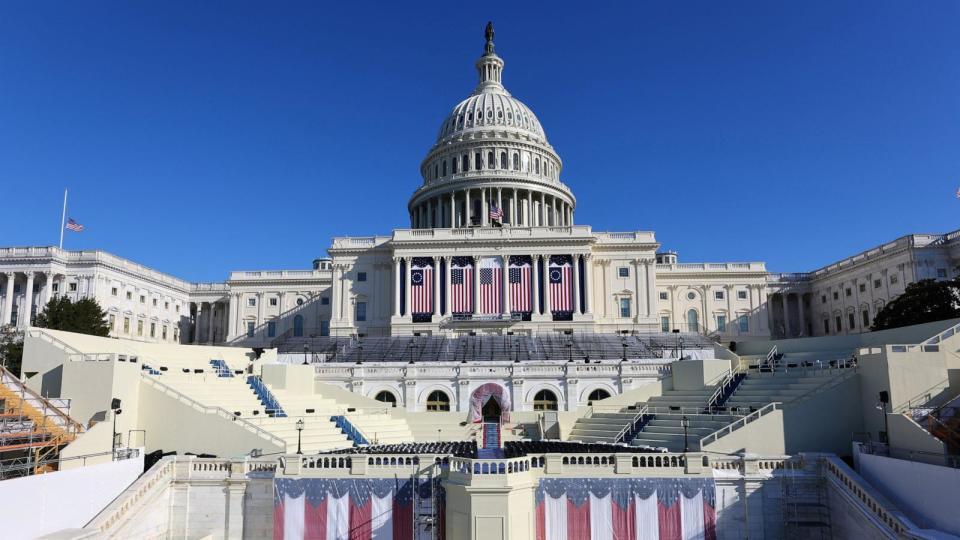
(63, 217)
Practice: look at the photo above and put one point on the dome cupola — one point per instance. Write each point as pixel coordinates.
(491, 158)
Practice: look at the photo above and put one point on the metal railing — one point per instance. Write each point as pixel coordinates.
(924, 397)
(737, 424)
(631, 426)
(212, 409)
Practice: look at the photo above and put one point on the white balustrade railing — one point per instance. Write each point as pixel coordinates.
(737, 424)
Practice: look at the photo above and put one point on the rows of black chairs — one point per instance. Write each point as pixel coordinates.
(464, 449)
(513, 449)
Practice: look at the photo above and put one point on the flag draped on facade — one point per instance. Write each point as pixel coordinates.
(348, 509)
(626, 509)
(491, 285)
(561, 283)
(496, 214)
(421, 285)
(520, 284)
(461, 285)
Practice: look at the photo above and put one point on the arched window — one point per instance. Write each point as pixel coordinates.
(503, 161)
(453, 164)
(545, 400)
(536, 165)
(477, 161)
(444, 167)
(491, 161)
(298, 326)
(466, 163)
(516, 162)
(693, 321)
(598, 394)
(436, 170)
(386, 397)
(438, 401)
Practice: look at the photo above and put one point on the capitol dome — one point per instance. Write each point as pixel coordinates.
(491, 159)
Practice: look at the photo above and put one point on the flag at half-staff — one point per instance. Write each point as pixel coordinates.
(461, 285)
(520, 289)
(561, 283)
(491, 285)
(421, 285)
(496, 215)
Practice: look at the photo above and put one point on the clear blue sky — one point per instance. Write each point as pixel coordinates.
(202, 137)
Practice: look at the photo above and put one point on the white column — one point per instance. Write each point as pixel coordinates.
(803, 327)
(232, 323)
(505, 280)
(536, 286)
(335, 294)
(196, 323)
(651, 277)
(8, 299)
(27, 309)
(476, 285)
(446, 283)
(436, 286)
(396, 286)
(467, 210)
(484, 210)
(430, 223)
(453, 210)
(786, 315)
(528, 219)
(213, 311)
(547, 304)
(499, 202)
(588, 284)
(406, 287)
(576, 284)
(728, 290)
(47, 288)
(641, 290)
(543, 210)
(514, 211)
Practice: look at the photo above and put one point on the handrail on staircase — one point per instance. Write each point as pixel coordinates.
(70, 425)
(737, 424)
(633, 422)
(926, 395)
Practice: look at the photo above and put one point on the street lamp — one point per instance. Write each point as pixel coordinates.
(570, 350)
(624, 349)
(115, 407)
(359, 354)
(299, 432)
(306, 352)
(680, 339)
(413, 351)
(685, 423)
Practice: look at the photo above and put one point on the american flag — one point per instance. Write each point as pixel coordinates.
(461, 285)
(520, 288)
(491, 285)
(74, 226)
(561, 279)
(421, 285)
(496, 214)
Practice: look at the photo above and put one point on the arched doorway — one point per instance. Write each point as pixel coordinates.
(693, 321)
(491, 410)
(298, 326)
(480, 402)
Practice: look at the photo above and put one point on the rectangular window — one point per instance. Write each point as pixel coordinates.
(273, 301)
(664, 296)
(851, 320)
(741, 295)
(744, 324)
(361, 311)
(166, 305)
(250, 328)
(129, 295)
(113, 291)
(113, 322)
(176, 334)
(271, 329)
(153, 329)
(624, 307)
(849, 291)
(623, 271)
(251, 302)
(823, 299)
(361, 276)
(866, 318)
(154, 302)
(893, 279)
(73, 287)
(163, 332)
(877, 283)
(826, 326)
(126, 325)
(718, 295)
(721, 323)
(863, 287)
(140, 328)
(324, 328)
(178, 308)
(836, 295)
(839, 326)
(664, 324)
(143, 299)
(324, 301)
(941, 273)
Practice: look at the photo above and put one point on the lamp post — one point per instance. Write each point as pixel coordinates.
(624, 349)
(685, 423)
(306, 353)
(570, 351)
(360, 354)
(681, 347)
(299, 432)
(413, 351)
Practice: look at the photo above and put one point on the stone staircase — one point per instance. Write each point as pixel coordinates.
(666, 430)
(759, 389)
(602, 426)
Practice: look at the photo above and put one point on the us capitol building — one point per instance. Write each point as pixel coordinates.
(493, 247)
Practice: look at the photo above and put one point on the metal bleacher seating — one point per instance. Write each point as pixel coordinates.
(480, 348)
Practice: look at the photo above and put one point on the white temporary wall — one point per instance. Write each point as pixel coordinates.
(928, 494)
(36, 505)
